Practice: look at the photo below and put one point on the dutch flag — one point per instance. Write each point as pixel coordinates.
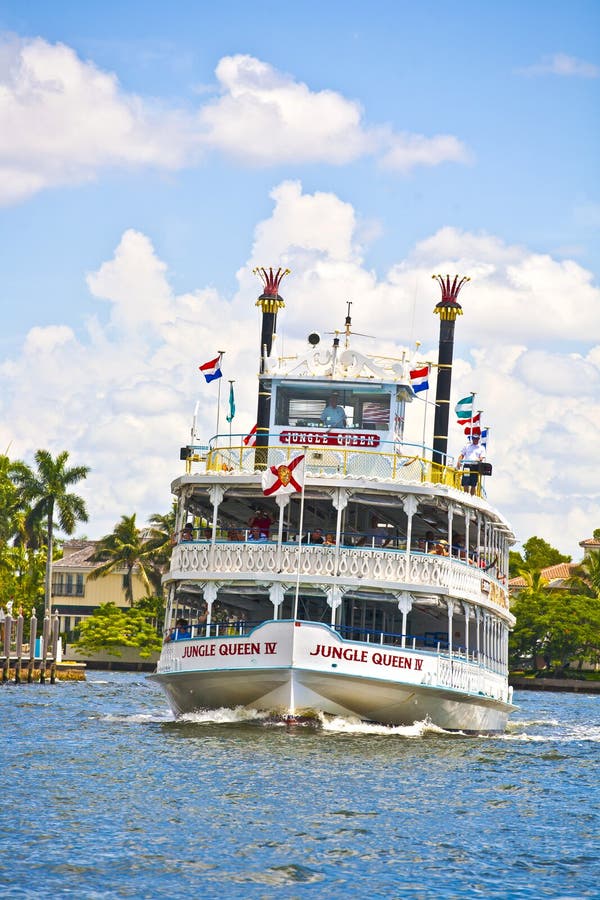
(212, 369)
(419, 379)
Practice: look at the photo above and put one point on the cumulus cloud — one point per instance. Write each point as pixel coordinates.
(121, 392)
(564, 65)
(63, 120)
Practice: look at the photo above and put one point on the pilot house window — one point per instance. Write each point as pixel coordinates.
(304, 406)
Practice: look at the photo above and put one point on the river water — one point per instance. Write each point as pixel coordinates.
(105, 796)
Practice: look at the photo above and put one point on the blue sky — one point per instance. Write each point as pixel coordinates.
(150, 154)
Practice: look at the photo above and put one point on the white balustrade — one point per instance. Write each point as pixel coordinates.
(374, 566)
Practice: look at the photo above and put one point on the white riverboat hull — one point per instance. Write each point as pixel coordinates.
(288, 669)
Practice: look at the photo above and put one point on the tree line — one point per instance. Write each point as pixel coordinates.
(36, 501)
(560, 625)
(557, 625)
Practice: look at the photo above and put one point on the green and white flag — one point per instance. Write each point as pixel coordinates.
(464, 410)
(231, 403)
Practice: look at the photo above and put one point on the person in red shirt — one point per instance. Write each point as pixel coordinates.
(262, 521)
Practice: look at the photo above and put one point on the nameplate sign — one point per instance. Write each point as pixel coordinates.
(330, 438)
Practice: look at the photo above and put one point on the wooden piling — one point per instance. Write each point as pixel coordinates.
(7, 642)
(32, 639)
(19, 648)
(45, 641)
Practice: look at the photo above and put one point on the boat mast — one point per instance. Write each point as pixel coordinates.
(447, 309)
(270, 302)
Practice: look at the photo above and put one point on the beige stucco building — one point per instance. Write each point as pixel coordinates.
(75, 595)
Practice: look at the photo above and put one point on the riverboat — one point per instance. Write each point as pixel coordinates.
(325, 567)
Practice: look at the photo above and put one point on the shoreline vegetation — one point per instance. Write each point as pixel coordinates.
(557, 619)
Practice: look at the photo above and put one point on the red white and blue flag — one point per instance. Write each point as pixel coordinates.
(287, 478)
(250, 439)
(420, 379)
(482, 433)
(212, 369)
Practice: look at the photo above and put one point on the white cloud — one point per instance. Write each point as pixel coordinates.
(120, 396)
(410, 150)
(564, 65)
(63, 120)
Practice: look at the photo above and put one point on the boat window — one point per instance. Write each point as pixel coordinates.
(301, 406)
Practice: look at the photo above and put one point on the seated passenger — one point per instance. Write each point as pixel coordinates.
(256, 536)
(234, 534)
(333, 416)
(330, 539)
(180, 632)
(187, 532)
(314, 537)
(262, 521)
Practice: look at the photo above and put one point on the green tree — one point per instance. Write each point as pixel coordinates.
(160, 540)
(125, 548)
(538, 554)
(527, 637)
(586, 576)
(46, 490)
(110, 628)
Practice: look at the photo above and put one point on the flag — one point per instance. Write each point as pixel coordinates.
(482, 432)
(231, 403)
(287, 478)
(419, 379)
(471, 422)
(250, 439)
(464, 410)
(212, 369)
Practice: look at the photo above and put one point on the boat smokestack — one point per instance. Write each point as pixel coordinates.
(447, 309)
(270, 303)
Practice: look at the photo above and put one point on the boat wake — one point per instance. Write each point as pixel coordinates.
(225, 716)
(341, 725)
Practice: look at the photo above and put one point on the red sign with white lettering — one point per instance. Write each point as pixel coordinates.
(330, 438)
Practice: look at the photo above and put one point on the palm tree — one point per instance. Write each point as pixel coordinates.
(586, 575)
(47, 491)
(161, 542)
(125, 548)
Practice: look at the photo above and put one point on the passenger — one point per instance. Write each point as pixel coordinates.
(333, 416)
(314, 537)
(256, 536)
(330, 539)
(469, 458)
(235, 534)
(180, 632)
(187, 532)
(440, 549)
(261, 520)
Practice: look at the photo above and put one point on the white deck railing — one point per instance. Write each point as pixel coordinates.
(370, 565)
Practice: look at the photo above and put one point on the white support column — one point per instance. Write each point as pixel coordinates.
(478, 634)
(467, 535)
(450, 604)
(405, 604)
(211, 590)
(450, 524)
(410, 504)
(467, 612)
(276, 595)
(216, 492)
(282, 501)
(339, 499)
(334, 600)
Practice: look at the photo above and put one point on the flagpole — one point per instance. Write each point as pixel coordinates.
(221, 355)
(230, 417)
(429, 366)
(300, 536)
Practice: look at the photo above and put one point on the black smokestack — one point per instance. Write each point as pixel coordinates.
(447, 309)
(270, 303)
